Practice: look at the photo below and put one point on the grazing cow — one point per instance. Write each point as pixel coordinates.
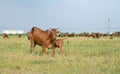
(105, 35)
(5, 35)
(59, 43)
(19, 35)
(118, 34)
(111, 36)
(96, 35)
(42, 38)
(71, 35)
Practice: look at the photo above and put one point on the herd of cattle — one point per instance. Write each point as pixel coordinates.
(94, 35)
(48, 39)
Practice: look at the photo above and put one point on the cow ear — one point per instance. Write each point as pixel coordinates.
(47, 31)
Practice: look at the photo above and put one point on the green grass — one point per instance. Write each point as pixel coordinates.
(81, 56)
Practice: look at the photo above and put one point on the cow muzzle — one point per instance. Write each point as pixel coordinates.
(54, 39)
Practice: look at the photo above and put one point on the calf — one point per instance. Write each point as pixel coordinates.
(5, 35)
(60, 44)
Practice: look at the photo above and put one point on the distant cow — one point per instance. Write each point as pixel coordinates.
(96, 35)
(42, 38)
(5, 35)
(111, 36)
(19, 35)
(105, 35)
(118, 34)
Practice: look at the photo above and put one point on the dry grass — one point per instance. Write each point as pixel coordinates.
(81, 56)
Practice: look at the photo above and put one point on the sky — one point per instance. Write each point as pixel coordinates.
(67, 15)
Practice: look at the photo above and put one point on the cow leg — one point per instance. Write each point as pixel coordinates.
(61, 50)
(54, 50)
(31, 48)
(43, 50)
(33, 44)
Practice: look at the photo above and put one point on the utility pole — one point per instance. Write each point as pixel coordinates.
(109, 29)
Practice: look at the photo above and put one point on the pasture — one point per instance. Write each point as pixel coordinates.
(82, 55)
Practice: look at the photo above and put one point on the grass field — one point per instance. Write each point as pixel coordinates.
(81, 56)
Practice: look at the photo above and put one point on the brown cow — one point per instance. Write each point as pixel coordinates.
(118, 34)
(111, 36)
(96, 35)
(19, 35)
(5, 35)
(60, 44)
(42, 38)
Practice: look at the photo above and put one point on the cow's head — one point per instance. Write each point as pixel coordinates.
(54, 32)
